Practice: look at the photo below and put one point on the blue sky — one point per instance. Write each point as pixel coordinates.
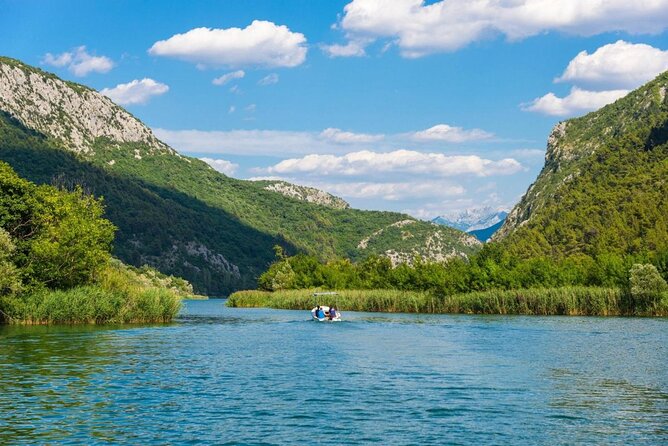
(423, 107)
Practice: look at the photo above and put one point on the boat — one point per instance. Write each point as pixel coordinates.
(325, 309)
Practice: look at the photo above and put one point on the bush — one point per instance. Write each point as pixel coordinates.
(647, 286)
(10, 282)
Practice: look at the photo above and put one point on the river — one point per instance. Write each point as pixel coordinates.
(256, 376)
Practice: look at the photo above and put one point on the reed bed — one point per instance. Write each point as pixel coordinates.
(573, 301)
(118, 297)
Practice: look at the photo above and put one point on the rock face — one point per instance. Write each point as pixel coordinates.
(71, 113)
(603, 176)
(308, 194)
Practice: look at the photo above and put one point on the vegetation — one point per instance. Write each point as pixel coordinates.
(493, 268)
(603, 189)
(493, 281)
(572, 301)
(181, 216)
(56, 266)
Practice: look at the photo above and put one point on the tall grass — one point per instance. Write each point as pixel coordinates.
(574, 301)
(118, 296)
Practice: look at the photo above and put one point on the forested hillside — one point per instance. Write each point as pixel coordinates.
(174, 212)
(604, 187)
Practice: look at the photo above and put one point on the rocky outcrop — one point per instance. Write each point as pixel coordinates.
(309, 194)
(73, 114)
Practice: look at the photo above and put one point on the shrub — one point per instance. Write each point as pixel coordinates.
(10, 282)
(647, 286)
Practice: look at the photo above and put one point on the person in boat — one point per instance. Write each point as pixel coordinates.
(319, 313)
(332, 312)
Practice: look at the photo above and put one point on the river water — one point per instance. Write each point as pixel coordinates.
(255, 376)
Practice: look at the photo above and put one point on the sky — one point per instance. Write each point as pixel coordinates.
(423, 107)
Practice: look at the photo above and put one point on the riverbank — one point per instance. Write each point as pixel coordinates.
(572, 301)
(120, 295)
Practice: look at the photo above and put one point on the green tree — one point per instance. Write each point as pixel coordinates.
(10, 283)
(61, 238)
(647, 285)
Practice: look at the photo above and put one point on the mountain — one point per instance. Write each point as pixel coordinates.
(478, 221)
(176, 213)
(604, 186)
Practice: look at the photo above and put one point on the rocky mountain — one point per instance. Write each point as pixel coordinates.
(177, 213)
(604, 186)
(304, 193)
(477, 221)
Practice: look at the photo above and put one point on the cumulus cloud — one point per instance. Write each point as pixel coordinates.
(577, 102)
(367, 163)
(269, 79)
(79, 62)
(261, 43)
(229, 77)
(340, 136)
(354, 48)
(223, 166)
(616, 65)
(288, 143)
(393, 191)
(135, 92)
(421, 28)
(444, 132)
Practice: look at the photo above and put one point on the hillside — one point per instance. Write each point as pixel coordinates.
(177, 213)
(604, 186)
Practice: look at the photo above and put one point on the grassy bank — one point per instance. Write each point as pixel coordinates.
(574, 301)
(119, 295)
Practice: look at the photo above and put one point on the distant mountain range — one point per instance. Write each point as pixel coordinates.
(479, 222)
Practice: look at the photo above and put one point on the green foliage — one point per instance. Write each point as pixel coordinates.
(572, 301)
(603, 189)
(647, 286)
(61, 238)
(55, 263)
(10, 282)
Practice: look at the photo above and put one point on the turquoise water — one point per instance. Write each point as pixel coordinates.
(254, 376)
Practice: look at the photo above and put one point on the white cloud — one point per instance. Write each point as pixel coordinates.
(339, 136)
(354, 48)
(616, 65)
(368, 163)
(577, 102)
(79, 62)
(444, 132)
(223, 166)
(419, 29)
(393, 191)
(261, 43)
(250, 108)
(289, 143)
(229, 77)
(135, 92)
(269, 79)
(232, 109)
